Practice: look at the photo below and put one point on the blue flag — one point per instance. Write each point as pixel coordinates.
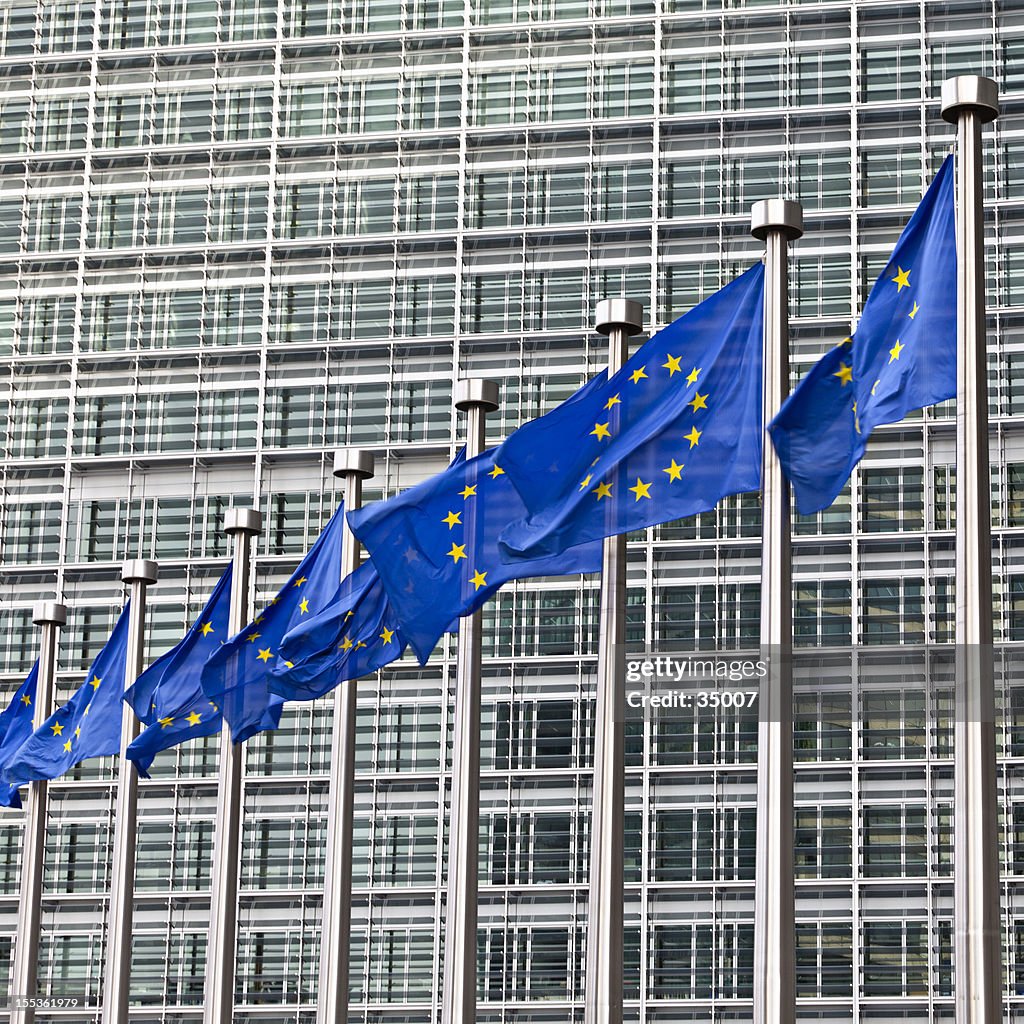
(357, 633)
(88, 725)
(902, 357)
(669, 435)
(435, 547)
(237, 676)
(167, 698)
(15, 728)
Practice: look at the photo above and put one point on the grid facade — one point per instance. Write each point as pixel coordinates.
(238, 234)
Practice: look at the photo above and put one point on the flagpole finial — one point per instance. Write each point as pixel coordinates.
(970, 92)
(767, 215)
(471, 392)
(243, 520)
(627, 314)
(139, 570)
(49, 613)
(355, 461)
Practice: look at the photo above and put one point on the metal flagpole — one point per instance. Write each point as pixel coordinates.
(969, 102)
(51, 616)
(477, 398)
(138, 573)
(618, 318)
(353, 466)
(242, 524)
(776, 222)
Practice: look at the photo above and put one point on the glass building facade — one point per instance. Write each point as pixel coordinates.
(238, 234)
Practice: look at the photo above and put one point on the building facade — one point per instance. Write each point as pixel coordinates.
(236, 235)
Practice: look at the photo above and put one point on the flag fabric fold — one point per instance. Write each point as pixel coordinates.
(434, 547)
(675, 430)
(168, 698)
(902, 357)
(88, 725)
(356, 633)
(15, 728)
(237, 675)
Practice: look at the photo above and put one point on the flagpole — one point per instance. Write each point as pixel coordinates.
(138, 573)
(353, 466)
(776, 222)
(477, 398)
(617, 318)
(969, 102)
(242, 524)
(24, 982)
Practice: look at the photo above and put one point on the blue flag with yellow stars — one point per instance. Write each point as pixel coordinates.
(15, 728)
(357, 633)
(88, 725)
(669, 435)
(168, 698)
(237, 675)
(435, 547)
(902, 357)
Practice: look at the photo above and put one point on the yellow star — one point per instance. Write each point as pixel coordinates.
(638, 375)
(346, 644)
(458, 551)
(674, 471)
(673, 366)
(259, 619)
(57, 728)
(894, 352)
(496, 472)
(304, 606)
(856, 418)
(300, 581)
(691, 377)
(26, 699)
(264, 655)
(253, 637)
(164, 722)
(78, 731)
(67, 746)
(274, 599)
(902, 279)
(207, 628)
(845, 374)
(349, 614)
(641, 490)
(914, 311)
(693, 436)
(614, 400)
(875, 385)
(289, 664)
(387, 635)
(478, 579)
(585, 482)
(95, 682)
(469, 491)
(453, 519)
(845, 341)
(698, 401)
(194, 718)
(601, 431)
(359, 643)
(602, 491)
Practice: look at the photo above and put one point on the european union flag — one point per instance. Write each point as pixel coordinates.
(168, 698)
(669, 435)
(88, 725)
(357, 633)
(902, 357)
(15, 728)
(237, 676)
(435, 547)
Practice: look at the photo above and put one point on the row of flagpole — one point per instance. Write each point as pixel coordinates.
(968, 102)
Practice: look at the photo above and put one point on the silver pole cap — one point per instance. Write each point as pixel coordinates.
(625, 313)
(49, 613)
(139, 570)
(768, 215)
(355, 461)
(970, 92)
(243, 520)
(474, 391)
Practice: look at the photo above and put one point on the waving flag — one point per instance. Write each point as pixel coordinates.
(15, 728)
